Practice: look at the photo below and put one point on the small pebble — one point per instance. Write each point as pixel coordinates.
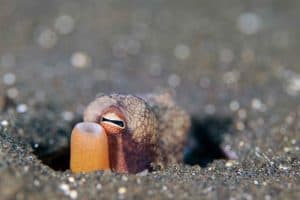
(64, 24)
(249, 23)
(36, 183)
(71, 179)
(80, 60)
(256, 104)
(12, 93)
(230, 154)
(234, 105)
(293, 86)
(241, 144)
(9, 79)
(264, 183)
(64, 187)
(268, 197)
(289, 119)
(124, 178)
(182, 52)
(4, 123)
(26, 168)
(287, 149)
(174, 80)
(67, 116)
(143, 173)
(210, 109)
(293, 141)
(73, 194)
(283, 167)
(99, 186)
(229, 163)
(122, 190)
(231, 77)
(21, 108)
(47, 39)
(240, 126)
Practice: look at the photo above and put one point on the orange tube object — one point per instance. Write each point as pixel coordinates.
(89, 148)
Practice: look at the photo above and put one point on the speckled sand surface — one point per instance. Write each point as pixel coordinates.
(233, 59)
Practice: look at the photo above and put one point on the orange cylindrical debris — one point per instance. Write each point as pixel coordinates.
(89, 148)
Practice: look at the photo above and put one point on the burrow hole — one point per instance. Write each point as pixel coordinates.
(206, 136)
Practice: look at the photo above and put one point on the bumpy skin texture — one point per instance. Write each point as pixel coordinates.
(173, 126)
(155, 130)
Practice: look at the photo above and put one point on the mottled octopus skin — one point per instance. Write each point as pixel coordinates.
(155, 130)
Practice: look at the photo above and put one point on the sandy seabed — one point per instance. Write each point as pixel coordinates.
(236, 60)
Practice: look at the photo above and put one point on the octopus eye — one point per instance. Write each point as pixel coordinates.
(119, 123)
(112, 122)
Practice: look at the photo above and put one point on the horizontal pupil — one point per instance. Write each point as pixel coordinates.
(117, 122)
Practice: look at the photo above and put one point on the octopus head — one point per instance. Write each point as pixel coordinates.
(131, 128)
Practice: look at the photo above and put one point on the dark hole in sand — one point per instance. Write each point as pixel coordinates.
(206, 135)
(59, 158)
